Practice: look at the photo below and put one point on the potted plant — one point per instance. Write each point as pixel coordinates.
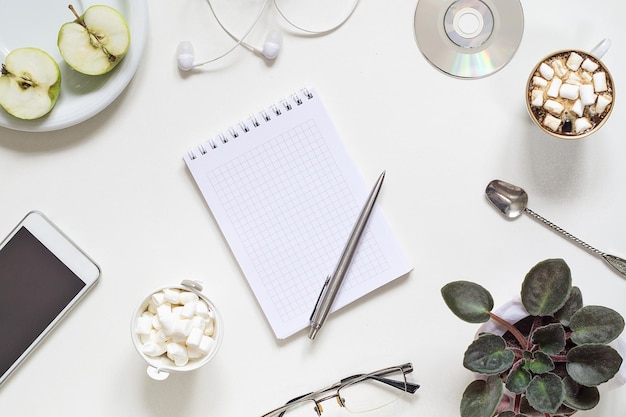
(550, 362)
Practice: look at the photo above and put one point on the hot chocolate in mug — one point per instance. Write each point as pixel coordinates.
(570, 93)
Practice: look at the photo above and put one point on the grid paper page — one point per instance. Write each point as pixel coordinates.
(286, 197)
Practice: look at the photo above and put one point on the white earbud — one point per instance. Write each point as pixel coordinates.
(271, 49)
(185, 55)
(272, 45)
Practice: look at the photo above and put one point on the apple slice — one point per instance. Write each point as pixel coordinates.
(30, 83)
(96, 41)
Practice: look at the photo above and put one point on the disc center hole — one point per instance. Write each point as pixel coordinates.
(468, 22)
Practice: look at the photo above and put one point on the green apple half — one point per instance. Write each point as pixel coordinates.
(30, 83)
(96, 41)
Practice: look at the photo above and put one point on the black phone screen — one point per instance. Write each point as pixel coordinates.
(35, 286)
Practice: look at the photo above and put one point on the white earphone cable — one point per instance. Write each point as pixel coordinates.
(240, 41)
(316, 32)
(271, 47)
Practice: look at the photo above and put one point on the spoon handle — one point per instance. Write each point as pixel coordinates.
(617, 263)
(564, 232)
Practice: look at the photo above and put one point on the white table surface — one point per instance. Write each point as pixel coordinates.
(118, 186)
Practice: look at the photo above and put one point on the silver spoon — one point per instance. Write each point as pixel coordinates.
(511, 201)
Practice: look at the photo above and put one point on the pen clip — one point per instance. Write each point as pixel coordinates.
(320, 297)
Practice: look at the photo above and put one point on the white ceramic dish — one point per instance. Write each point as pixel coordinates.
(36, 23)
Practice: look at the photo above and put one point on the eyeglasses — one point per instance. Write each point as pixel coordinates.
(357, 393)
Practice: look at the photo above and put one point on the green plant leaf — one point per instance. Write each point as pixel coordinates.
(540, 364)
(468, 301)
(546, 287)
(488, 355)
(591, 365)
(596, 324)
(573, 303)
(550, 338)
(510, 413)
(580, 397)
(545, 393)
(518, 380)
(526, 409)
(482, 398)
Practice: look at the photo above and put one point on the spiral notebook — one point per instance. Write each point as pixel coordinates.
(285, 194)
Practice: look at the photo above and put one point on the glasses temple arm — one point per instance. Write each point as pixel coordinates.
(401, 385)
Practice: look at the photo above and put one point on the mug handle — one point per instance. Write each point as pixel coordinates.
(157, 374)
(600, 49)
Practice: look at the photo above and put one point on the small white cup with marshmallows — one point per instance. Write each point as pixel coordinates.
(176, 329)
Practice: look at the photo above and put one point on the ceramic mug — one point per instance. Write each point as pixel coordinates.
(161, 365)
(570, 93)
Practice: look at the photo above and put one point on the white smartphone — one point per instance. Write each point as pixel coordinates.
(42, 276)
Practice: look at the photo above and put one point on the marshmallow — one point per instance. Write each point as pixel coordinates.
(158, 298)
(536, 98)
(156, 323)
(553, 107)
(195, 353)
(599, 82)
(552, 122)
(574, 61)
(540, 82)
(587, 95)
(546, 71)
(163, 309)
(187, 297)
(144, 325)
(569, 91)
(206, 344)
(182, 328)
(209, 329)
(158, 336)
(574, 78)
(589, 65)
(202, 309)
(559, 68)
(603, 101)
(194, 338)
(172, 295)
(177, 353)
(198, 322)
(555, 86)
(582, 124)
(168, 321)
(153, 349)
(578, 108)
(151, 307)
(586, 77)
(145, 338)
(189, 310)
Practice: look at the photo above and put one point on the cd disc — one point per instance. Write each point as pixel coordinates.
(469, 38)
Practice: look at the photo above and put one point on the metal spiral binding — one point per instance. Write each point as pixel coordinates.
(254, 121)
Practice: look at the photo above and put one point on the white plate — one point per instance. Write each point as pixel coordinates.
(36, 23)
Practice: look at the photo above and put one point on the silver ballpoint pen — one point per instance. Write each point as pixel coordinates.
(333, 281)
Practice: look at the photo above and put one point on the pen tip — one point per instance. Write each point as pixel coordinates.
(313, 332)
